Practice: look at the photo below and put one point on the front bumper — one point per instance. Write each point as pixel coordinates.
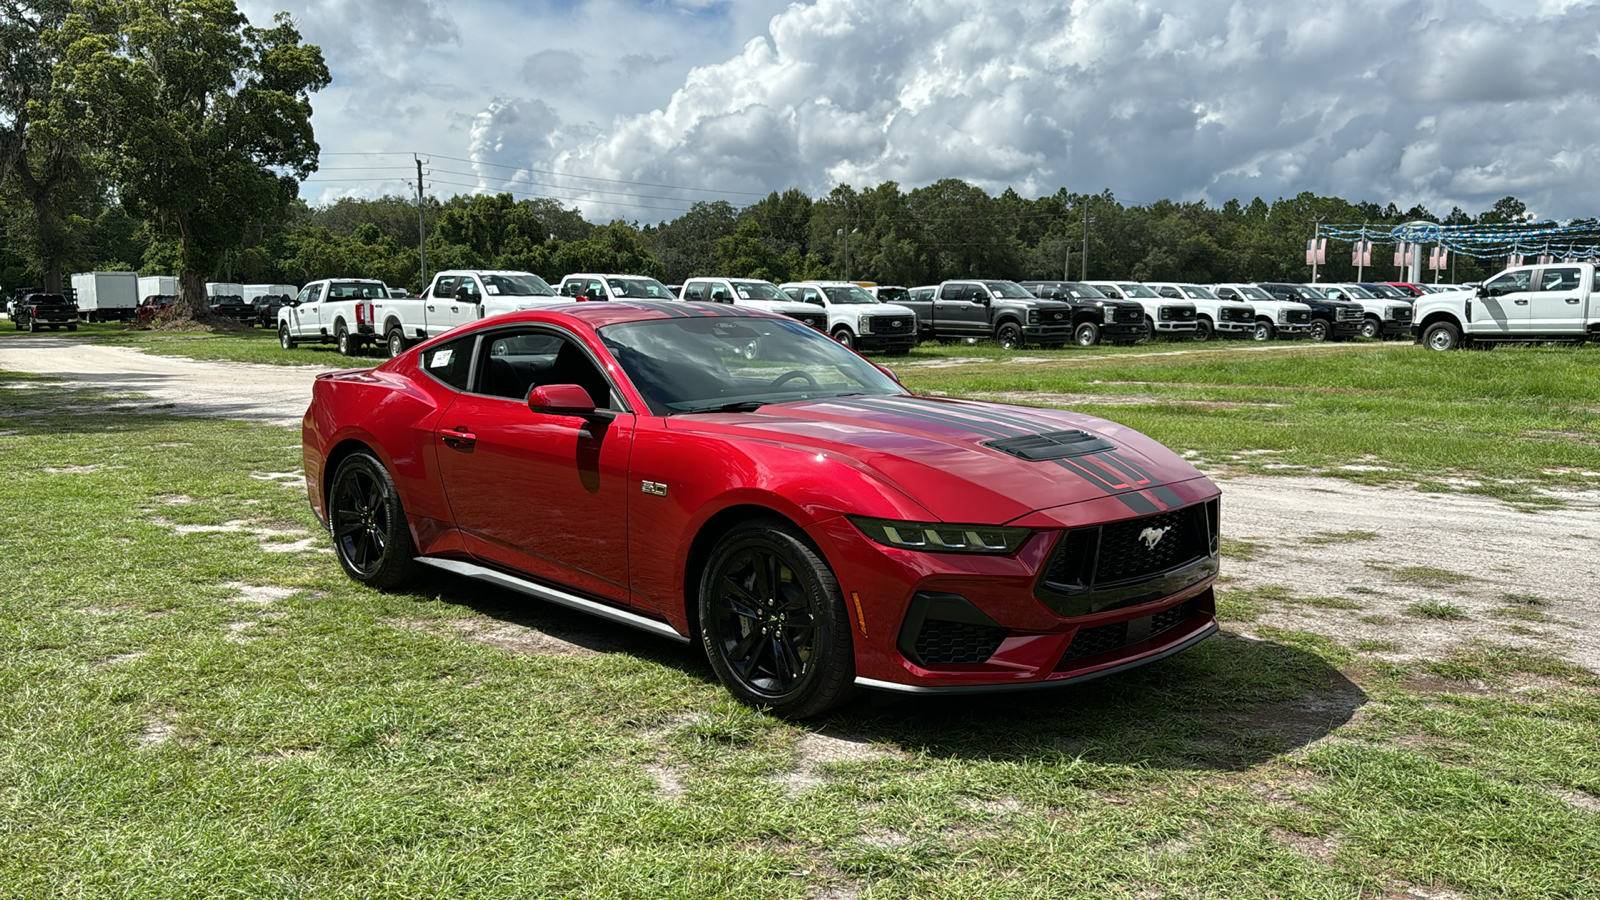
(1393, 328)
(1121, 331)
(1047, 333)
(957, 622)
(1175, 327)
(886, 341)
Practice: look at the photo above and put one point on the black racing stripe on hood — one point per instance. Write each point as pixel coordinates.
(1091, 474)
(1167, 496)
(958, 415)
(989, 414)
(1136, 476)
(1139, 503)
(917, 416)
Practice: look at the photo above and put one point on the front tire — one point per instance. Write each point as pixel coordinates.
(1441, 336)
(1149, 329)
(370, 534)
(284, 340)
(1009, 336)
(1371, 328)
(773, 621)
(1086, 334)
(844, 336)
(1265, 331)
(1203, 330)
(1319, 329)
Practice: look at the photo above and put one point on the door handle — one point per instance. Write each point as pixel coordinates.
(1573, 300)
(431, 309)
(459, 435)
(1520, 302)
(455, 309)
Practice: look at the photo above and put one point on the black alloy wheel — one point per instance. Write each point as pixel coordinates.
(1202, 329)
(1009, 336)
(773, 621)
(1319, 329)
(370, 534)
(284, 340)
(1086, 334)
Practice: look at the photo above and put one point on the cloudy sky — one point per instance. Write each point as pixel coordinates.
(635, 108)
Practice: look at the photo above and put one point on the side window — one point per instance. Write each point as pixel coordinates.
(720, 294)
(445, 287)
(318, 291)
(1508, 283)
(813, 296)
(1561, 279)
(516, 363)
(450, 362)
(694, 290)
(304, 296)
(470, 285)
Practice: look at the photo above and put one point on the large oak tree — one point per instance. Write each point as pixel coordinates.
(204, 119)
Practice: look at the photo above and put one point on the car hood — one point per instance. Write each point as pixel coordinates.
(942, 453)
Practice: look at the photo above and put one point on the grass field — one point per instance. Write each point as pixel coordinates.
(196, 702)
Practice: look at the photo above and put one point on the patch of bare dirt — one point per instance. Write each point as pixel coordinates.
(818, 749)
(77, 470)
(1321, 848)
(669, 779)
(157, 729)
(258, 593)
(1579, 800)
(504, 635)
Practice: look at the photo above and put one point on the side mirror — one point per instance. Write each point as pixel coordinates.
(466, 296)
(561, 400)
(1482, 291)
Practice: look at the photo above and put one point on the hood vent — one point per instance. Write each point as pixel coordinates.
(1051, 445)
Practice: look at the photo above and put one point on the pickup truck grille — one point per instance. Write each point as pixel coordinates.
(1054, 316)
(815, 320)
(1402, 315)
(1177, 314)
(1350, 314)
(894, 324)
(1299, 317)
(1129, 315)
(1126, 551)
(1235, 314)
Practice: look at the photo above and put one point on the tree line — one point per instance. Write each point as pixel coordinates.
(127, 142)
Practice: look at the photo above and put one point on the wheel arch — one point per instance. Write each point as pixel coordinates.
(1434, 318)
(705, 540)
(1008, 318)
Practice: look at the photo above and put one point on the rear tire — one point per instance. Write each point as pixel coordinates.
(370, 533)
(341, 336)
(773, 621)
(397, 342)
(1086, 334)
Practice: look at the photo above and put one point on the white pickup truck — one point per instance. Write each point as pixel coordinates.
(1557, 302)
(855, 318)
(331, 309)
(1214, 316)
(456, 297)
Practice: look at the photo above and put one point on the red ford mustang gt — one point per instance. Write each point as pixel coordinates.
(734, 478)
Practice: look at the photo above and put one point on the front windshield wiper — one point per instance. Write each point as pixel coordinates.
(736, 406)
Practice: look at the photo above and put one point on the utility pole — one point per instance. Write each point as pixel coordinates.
(422, 237)
(1083, 267)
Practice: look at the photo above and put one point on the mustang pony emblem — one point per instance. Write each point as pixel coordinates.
(1153, 536)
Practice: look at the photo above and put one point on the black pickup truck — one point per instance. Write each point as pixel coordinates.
(235, 307)
(1331, 320)
(1095, 317)
(1003, 310)
(35, 308)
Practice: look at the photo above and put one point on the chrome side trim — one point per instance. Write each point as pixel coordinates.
(875, 684)
(552, 595)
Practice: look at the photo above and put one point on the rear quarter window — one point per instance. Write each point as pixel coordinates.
(450, 362)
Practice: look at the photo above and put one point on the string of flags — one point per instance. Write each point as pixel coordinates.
(1516, 243)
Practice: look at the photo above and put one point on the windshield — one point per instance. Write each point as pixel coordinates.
(848, 294)
(640, 288)
(1134, 289)
(1387, 292)
(704, 363)
(1251, 292)
(1196, 292)
(1085, 291)
(760, 290)
(1356, 292)
(1306, 291)
(895, 295)
(525, 285)
(1009, 289)
(348, 290)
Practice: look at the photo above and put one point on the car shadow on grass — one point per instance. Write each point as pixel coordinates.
(1228, 703)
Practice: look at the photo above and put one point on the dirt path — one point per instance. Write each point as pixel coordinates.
(275, 395)
(1409, 574)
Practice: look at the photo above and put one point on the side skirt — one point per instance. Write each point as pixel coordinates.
(552, 595)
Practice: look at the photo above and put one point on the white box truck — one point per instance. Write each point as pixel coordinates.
(106, 296)
(267, 299)
(152, 285)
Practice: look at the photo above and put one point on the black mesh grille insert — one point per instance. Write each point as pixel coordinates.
(1051, 445)
(1299, 317)
(893, 324)
(1130, 315)
(957, 643)
(1115, 636)
(1131, 549)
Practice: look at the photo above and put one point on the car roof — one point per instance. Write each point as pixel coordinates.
(599, 315)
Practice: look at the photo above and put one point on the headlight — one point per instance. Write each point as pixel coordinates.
(1033, 317)
(1392, 313)
(865, 324)
(1110, 313)
(939, 537)
(1283, 317)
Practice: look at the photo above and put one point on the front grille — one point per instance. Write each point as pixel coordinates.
(1348, 314)
(893, 324)
(1402, 316)
(1299, 317)
(1106, 555)
(1115, 636)
(1236, 314)
(817, 321)
(1177, 314)
(1127, 315)
(1053, 316)
(957, 643)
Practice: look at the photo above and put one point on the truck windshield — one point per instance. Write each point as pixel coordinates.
(1085, 291)
(528, 285)
(760, 290)
(1009, 290)
(1387, 292)
(1356, 292)
(1196, 292)
(1307, 292)
(895, 294)
(1134, 289)
(640, 288)
(848, 294)
(1251, 292)
(349, 290)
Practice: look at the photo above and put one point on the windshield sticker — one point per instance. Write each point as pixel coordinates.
(492, 288)
(441, 359)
